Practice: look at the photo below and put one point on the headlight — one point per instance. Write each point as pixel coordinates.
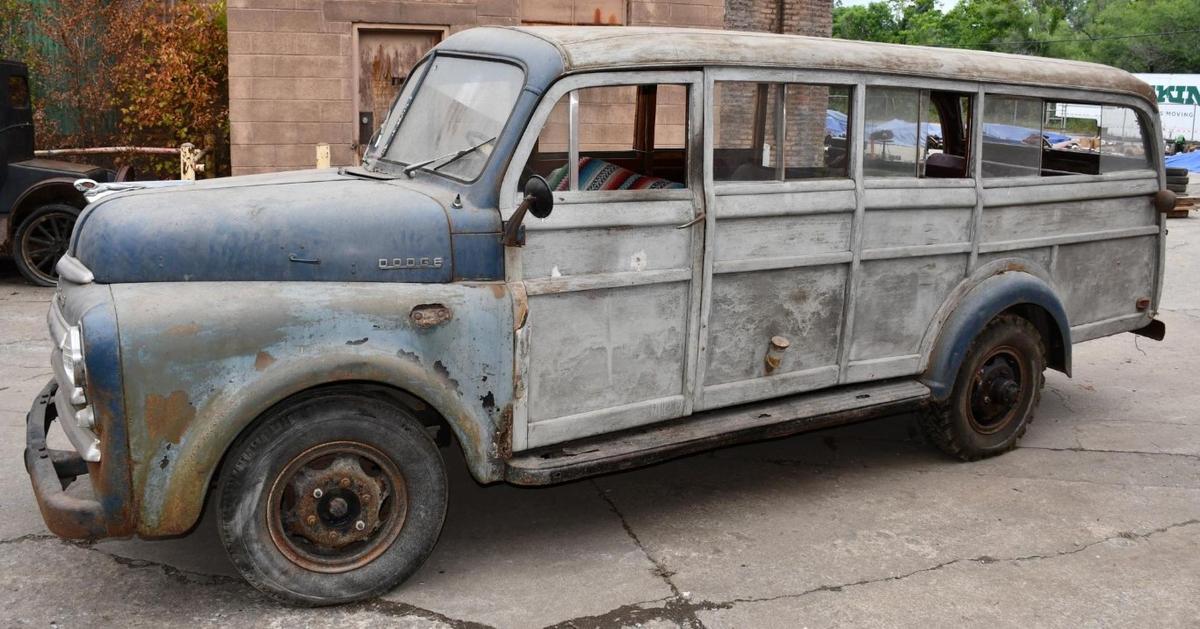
(72, 356)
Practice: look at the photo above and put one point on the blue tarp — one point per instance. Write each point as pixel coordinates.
(835, 123)
(904, 132)
(1190, 161)
(1012, 134)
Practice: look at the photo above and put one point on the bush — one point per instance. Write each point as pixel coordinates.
(126, 72)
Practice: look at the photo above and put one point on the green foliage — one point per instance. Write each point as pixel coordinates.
(1106, 31)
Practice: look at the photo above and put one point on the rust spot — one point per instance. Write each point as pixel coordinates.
(168, 417)
(497, 290)
(263, 360)
(357, 341)
(184, 329)
(503, 436)
(489, 401)
(520, 305)
(445, 373)
(426, 316)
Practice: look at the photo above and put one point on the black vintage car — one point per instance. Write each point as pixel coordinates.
(38, 199)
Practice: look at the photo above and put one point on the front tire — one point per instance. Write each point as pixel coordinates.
(333, 499)
(995, 392)
(41, 239)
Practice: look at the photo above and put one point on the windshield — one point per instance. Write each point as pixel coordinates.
(460, 104)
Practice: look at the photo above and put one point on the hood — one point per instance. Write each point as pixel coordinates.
(301, 226)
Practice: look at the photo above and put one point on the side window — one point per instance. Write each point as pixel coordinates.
(916, 133)
(629, 137)
(1028, 138)
(1122, 140)
(18, 92)
(1012, 136)
(778, 131)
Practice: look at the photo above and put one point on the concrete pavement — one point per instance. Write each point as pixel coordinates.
(1093, 521)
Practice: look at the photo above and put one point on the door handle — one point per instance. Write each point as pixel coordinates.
(699, 219)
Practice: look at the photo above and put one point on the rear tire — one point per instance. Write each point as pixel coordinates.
(336, 498)
(1177, 172)
(995, 392)
(41, 239)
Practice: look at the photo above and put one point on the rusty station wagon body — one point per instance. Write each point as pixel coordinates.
(752, 235)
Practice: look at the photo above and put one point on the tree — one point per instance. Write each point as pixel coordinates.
(1166, 53)
(124, 72)
(1129, 34)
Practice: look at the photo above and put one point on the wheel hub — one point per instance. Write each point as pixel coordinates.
(336, 507)
(996, 391)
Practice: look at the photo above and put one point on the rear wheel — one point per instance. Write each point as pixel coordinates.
(334, 499)
(995, 392)
(41, 239)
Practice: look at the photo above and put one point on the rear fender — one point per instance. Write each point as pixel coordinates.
(998, 287)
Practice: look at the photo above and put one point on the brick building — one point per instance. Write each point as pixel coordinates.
(302, 72)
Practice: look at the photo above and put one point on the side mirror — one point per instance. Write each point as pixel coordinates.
(538, 200)
(539, 196)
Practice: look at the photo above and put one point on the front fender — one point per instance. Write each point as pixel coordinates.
(978, 306)
(204, 360)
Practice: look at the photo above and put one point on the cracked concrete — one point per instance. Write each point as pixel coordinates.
(1093, 521)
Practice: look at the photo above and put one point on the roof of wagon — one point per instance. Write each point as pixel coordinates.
(606, 47)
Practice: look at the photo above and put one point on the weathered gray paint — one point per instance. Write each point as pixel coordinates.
(609, 317)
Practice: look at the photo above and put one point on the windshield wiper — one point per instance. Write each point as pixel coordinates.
(450, 157)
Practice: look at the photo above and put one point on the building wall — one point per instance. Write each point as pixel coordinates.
(292, 62)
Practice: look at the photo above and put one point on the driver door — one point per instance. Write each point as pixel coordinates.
(612, 277)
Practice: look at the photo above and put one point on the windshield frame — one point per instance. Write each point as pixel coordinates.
(398, 167)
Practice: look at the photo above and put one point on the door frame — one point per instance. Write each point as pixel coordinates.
(696, 191)
(355, 28)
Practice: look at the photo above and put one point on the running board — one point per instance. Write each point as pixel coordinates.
(711, 429)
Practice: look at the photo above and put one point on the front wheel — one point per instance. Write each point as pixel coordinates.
(996, 390)
(334, 499)
(41, 239)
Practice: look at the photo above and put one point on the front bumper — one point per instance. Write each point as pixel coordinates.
(51, 471)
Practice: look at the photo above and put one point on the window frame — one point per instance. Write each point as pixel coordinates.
(569, 84)
(428, 62)
(1146, 118)
(779, 126)
(714, 75)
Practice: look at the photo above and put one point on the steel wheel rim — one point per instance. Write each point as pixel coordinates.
(44, 241)
(997, 388)
(355, 517)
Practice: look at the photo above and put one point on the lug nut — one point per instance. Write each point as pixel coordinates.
(317, 493)
(360, 525)
(311, 520)
(345, 482)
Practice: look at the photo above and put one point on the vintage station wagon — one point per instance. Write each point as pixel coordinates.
(577, 250)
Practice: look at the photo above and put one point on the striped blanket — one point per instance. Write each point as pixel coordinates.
(597, 174)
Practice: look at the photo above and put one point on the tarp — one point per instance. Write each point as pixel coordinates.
(1012, 134)
(1190, 161)
(835, 123)
(904, 132)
